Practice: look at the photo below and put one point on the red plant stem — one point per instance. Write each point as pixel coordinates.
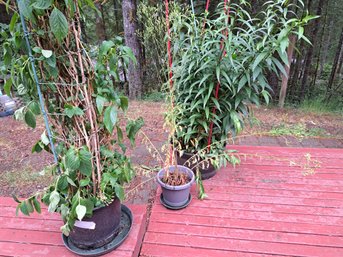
(216, 95)
(207, 6)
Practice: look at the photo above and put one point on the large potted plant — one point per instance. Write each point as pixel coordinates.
(219, 68)
(85, 112)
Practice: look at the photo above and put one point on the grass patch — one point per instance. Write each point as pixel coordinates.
(154, 96)
(298, 130)
(23, 182)
(318, 106)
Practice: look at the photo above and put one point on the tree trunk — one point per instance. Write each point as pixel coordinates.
(99, 26)
(131, 39)
(273, 81)
(116, 16)
(335, 63)
(320, 52)
(310, 53)
(4, 16)
(325, 49)
(284, 82)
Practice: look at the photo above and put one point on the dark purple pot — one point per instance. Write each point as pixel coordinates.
(176, 196)
(106, 219)
(206, 173)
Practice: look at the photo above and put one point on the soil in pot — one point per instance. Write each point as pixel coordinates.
(176, 178)
(106, 219)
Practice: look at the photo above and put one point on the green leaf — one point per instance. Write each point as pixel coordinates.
(124, 103)
(301, 32)
(44, 139)
(89, 205)
(70, 111)
(128, 51)
(30, 119)
(22, 90)
(51, 61)
(310, 17)
(72, 159)
(65, 229)
(34, 107)
(36, 204)
(54, 199)
(42, 4)
(58, 24)
(37, 49)
(85, 162)
(62, 183)
(284, 44)
(29, 205)
(37, 148)
(23, 208)
(119, 134)
(105, 47)
(15, 198)
(100, 102)
(258, 59)
(119, 192)
(13, 22)
(25, 9)
(46, 53)
(7, 87)
(81, 211)
(71, 182)
(110, 118)
(132, 127)
(84, 182)
(266, 96)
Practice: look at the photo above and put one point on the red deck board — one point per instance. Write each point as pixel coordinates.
(242, 245)
(39, 235)
(247, 234)
(262, 207)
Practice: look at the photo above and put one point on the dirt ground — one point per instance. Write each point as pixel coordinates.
(20, 169)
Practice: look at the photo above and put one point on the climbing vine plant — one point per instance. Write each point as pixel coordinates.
(83, 106)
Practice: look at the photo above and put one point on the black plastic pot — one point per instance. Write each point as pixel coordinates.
(106, 219)
(206, 173)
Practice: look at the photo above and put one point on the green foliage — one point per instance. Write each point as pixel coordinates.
(86, 110)
(153, 38)
(297, 130)
(58, 24)
(320, 105)
(204, 57)
(154, 96)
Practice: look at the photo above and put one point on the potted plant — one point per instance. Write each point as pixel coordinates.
(176, 182)
(86, 114)
(219, 68)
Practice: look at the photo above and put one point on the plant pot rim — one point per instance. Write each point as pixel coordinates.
(176, 188)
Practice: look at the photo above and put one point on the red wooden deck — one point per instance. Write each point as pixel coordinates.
(39, 235)
(264, 207)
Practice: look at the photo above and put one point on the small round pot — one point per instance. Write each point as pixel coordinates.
(106, 219)
(176, 196)
(206, 173)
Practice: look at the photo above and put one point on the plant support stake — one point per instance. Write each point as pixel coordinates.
(41, 102)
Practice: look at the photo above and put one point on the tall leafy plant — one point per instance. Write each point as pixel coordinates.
(83, 105)
(219, 68)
